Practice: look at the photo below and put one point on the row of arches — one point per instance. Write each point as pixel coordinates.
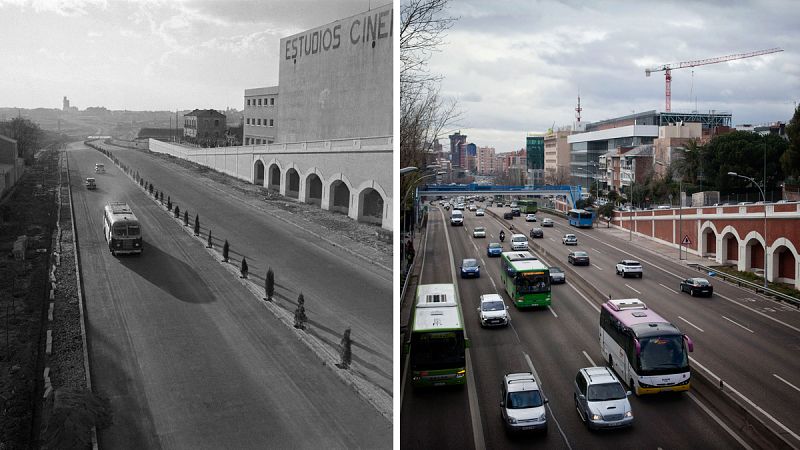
(365, 203)
(727, 247)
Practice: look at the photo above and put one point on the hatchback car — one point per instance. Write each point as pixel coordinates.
(569, 239)
(600, 399)
(494, 249)
(578, 258)
(492, 311)
(479, 232)
(508, 215)
(530, 218)
(557, 275)
(522, 405)
(470, 268)
(537, 233)
(479, 212)
(547, 222)
(697, 286)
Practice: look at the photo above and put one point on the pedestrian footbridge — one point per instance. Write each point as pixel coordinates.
(570, 193)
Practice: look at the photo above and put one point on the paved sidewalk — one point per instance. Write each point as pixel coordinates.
(655, 247)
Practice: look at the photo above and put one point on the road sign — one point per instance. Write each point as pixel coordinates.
(686, 240)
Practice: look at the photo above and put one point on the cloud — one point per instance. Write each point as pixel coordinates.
(67, 8)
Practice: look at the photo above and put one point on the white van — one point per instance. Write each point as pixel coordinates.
(519, 242)
(457, 218)
(99, 168)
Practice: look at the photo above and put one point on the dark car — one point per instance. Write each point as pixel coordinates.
(470, 268)
(557, 275)
(578, 258)
(494, 249)
(697, 286)
(537, 233)
(508, 215)
(515, 212)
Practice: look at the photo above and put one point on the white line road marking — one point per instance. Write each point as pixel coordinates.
(552, 239)
(750, 402)
(550, 308)
(634, 290)
(596, 250)
(589, 358)
(737, 324)
(595, 307)
(790, 384)
(493, 285)
(598, 267)
(552, 416)
(719, 421)
(668, 288)
(690, 323)
(483, 262)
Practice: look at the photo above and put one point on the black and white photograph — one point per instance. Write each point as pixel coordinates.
(197, 224)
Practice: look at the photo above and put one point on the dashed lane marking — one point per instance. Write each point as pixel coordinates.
(690, 323)
(631, 288)
(738, 324)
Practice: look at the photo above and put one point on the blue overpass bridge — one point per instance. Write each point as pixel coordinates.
(570, 193)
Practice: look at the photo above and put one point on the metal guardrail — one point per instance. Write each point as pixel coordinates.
(755, 286)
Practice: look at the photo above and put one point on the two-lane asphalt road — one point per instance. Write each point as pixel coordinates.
(185, 353)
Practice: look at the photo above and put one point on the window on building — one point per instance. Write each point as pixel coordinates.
(216, 122)
(248, 102)
(272, 101)
(259, 102)
(270, 122)
(259, 121)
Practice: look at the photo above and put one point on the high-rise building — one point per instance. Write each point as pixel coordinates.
(534, 147)
(485, 161)
(457, 141)
(65, 104)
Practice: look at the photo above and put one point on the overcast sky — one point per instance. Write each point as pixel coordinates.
(518, 66)
(149, 54)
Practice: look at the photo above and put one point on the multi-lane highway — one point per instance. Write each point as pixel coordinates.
(745, 340)
(188, 357)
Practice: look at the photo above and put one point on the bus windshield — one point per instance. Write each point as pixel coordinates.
(439, 350)
(120, 230)
(527, 283)
(662, 353)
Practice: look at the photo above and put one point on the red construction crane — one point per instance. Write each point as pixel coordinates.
(667, 68)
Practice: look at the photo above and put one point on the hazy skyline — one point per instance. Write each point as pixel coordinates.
(518, 67)
(152, 54)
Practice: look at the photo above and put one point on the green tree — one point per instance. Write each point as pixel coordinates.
(269, 285)
(743, 152)
(790, 160)
(225, 249)
(197, 224)
(27, 134)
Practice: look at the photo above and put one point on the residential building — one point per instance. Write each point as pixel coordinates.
(457, 142)
(556, 156)
(260, 115)
(204, 126)
(485, 161)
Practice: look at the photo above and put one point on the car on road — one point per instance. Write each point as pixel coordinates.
(479, 232)
(697, 286)
(99, 168)
(508, 215)
(515, 211)
(470, 268)
(600, 399)
(473, 208)
(522, 407)
(578, 258)
(456, 218)
(91, 184)
(519, 242)
(492, 311)
(557, 275)
(629, 267)
(447, 206)
(569, 239)
(530, 218)
(494, 249)
(499, 204)
(547, 222)
(537, 233)
(479, 212)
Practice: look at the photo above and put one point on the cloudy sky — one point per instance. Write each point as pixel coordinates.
(149, 54)
(518, 66)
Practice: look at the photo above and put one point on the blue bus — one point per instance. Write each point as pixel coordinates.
(580, 218)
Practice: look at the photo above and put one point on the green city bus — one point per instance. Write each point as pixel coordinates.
(437, 344)
(526, 279)
(528, 206)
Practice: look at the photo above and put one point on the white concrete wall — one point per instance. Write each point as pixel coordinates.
(359, 163)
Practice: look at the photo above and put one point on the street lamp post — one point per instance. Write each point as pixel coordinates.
(764, 198)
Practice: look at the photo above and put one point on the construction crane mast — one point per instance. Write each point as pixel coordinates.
(667, 68)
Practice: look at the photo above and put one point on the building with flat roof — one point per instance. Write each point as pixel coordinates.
(261, 115)
(204, 126)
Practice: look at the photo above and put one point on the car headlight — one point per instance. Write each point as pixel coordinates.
(512, 420)
(629, 414)
(596, 417)
(543, 417)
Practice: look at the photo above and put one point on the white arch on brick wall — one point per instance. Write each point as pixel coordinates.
(304, 182)
(285, 179)
(722, 250)
(772, 259)
(370, 184)
(326, 194)
(701, 238)
(267, 174)
(747, 250)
